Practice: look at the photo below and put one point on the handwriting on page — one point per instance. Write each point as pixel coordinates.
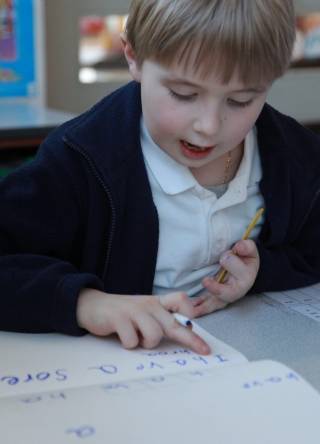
(257, 383)
(163, 380)
(72, 408)
(51, 361)
(84, 431)
(87, 431)
(149, 362)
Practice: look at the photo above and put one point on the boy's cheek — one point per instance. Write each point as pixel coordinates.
(164, 126)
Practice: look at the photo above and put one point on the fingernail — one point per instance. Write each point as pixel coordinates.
(205, 349)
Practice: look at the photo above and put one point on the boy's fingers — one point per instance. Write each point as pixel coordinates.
(188, 338)
(246, 248)
(151, 332)
(178, 333)
(197, 300)
(127, 334)
(221, 294)
(178, 302)
(234, 265)
(212, 303)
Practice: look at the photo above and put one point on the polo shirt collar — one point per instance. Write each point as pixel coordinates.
(238, 187)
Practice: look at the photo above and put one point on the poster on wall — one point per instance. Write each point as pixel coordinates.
(17, 49)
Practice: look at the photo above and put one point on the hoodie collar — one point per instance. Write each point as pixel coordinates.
(108, 133)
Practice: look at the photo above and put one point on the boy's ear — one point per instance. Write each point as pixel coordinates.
(129, 54)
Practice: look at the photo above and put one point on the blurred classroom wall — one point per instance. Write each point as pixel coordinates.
(62, 17)
(297, 93)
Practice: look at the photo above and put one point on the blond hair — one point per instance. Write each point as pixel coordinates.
(253, 38)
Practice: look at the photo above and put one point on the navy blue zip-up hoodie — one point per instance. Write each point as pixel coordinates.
(82, 215)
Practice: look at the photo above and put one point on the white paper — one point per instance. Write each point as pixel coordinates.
(262, 402)
(36, 362)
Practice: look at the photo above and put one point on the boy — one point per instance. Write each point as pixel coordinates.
(149, 192)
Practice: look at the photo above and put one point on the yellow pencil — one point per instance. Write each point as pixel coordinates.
(221, 274)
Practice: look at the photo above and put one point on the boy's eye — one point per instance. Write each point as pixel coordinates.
(182, 97)
(239, 104)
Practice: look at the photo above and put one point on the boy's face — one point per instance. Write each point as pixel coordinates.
(195, 120)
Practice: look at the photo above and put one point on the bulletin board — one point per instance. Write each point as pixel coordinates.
(18, 54)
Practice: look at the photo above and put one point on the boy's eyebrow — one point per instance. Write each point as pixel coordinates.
(249, 90)
(185, 82)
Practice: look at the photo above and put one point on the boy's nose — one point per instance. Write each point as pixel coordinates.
(208, 123)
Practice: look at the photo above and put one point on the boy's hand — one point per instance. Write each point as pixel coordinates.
(138, 320)
(242, 264)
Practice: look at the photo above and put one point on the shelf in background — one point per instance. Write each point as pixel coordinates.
(306, 63)
(314, 126)
(103, 73)
(24, 125)
(92, 75)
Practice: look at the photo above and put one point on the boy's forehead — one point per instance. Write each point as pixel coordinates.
(188, 67)
(189, 75)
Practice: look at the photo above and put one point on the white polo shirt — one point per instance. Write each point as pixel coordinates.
(196, 226)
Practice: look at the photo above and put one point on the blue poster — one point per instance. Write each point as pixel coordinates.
(17, 49)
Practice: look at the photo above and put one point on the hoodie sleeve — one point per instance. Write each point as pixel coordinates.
(41, 222)
(294, 262)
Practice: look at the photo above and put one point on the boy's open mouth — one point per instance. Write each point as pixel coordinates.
(195, 151)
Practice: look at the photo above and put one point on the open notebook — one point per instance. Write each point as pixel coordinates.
(59, 389)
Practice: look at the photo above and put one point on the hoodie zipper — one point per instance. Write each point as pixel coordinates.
(109, 196)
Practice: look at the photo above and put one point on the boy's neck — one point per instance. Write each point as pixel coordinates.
(221, 170)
